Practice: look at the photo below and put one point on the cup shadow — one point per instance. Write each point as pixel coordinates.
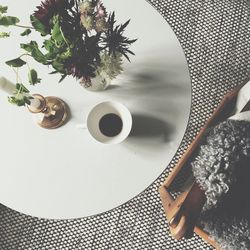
(147, 127)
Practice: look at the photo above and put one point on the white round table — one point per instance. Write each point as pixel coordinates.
(65, 173)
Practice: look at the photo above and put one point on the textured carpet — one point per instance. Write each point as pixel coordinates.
(215, 36)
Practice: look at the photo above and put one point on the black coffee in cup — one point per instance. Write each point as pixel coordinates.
(111, 125)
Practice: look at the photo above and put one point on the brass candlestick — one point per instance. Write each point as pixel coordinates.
(53, 110)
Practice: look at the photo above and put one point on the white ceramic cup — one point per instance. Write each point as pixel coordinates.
(102, 109)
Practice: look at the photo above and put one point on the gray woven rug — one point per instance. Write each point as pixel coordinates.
(215, 35)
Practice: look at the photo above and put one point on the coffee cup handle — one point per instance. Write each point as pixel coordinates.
(81, 126)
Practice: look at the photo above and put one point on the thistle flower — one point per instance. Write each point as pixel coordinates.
(101, 25)
(87, 22)
(86, 7)
(108, 69)
(115, 40)
(101, 11)
(110, 65)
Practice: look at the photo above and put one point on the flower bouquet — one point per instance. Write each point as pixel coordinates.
(80, 38)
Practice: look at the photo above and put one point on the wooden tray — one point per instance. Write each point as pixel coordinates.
(223, 111)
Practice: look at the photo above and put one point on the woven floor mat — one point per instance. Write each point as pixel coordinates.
(215, 37)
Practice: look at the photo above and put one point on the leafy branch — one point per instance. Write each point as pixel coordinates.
(21, 97)
(80, 39)
(10, 20)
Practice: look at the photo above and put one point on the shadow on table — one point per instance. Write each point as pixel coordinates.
(157, 90)
(150, 80)
(154, 84)
(156, 72)
(149, 127)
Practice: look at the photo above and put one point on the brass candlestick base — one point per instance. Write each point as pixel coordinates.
(52, 112)
(57, 115)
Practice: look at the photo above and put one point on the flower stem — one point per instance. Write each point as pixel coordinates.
(27, 61)
(22, 26)
(25, 54)
(16, 73)
(65, 40)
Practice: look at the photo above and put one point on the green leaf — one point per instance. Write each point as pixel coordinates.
(53, 51)
(28, 47)
(33, 78)
(8, 20)
(58, 66)
(21, 88)
(20, 98)
(49, 45)
(62, 78)
(38, 25)
(65, 55)
(56, 32)
(16, 63)
(3, 9)
(26, 32)
(21, 101)
(4, 34)
(36, 53)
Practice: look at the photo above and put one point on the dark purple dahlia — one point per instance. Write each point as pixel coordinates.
(50, 8)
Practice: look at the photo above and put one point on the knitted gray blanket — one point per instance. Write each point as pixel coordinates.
(222, 170)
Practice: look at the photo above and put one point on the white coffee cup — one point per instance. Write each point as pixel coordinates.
(103, 109)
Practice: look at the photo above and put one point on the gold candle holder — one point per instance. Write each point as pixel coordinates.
(53, 111)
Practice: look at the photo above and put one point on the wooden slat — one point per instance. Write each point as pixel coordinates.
(223, 111)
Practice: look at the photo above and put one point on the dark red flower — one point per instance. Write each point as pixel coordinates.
(48, 9)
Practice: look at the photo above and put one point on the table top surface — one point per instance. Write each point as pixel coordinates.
(65, 173)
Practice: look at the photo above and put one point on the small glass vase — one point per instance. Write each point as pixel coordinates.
(111, 65)
(98, 83)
